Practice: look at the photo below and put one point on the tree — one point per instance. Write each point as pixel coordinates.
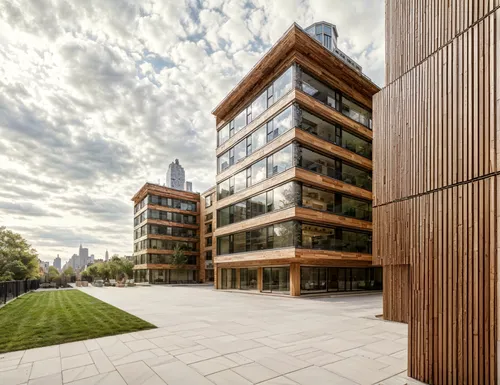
(53, 273)
(18, 260)
(179, 259)
(69, 271)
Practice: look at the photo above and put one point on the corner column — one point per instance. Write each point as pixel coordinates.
(295, 279)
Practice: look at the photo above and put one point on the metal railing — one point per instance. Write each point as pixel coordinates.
(10, 290)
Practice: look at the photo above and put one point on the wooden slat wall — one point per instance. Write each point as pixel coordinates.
(436, 185)
(418, 28)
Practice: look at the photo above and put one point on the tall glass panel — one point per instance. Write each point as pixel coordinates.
(257, 205)
(333, 279)
(239, 243)
(320, 91)
(258, 239)
(280, 279)
(317, 126)
(283, 235)
(240, 151)
(266, 279)
(223, 245)
(284, 196)
(282, 122)
(223, 189)
(313, 279)
(240, 181)
(280, 161)
(223, 219)
(360, 279)
(283, 84)
(259, 138)
(356, 208)
(223, 134)
(259, 105)
(240, 121)
(258, 172)
(240, 212)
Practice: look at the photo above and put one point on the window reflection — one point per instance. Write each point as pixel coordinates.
(336, 239)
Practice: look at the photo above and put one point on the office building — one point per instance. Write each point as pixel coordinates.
(106, 257)
(83, 257)
(176, 177)
(57, 263)
(166, 218)
(294, 175)
(437, 163)
(207, 232)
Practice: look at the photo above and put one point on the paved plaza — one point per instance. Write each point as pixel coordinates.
(207, 337)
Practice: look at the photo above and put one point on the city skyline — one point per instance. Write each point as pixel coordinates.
(76, 183)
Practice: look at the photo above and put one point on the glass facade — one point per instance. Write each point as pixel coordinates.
(165, 276)
(335, 168)
(265, 168)
(336, 203)
(276, 279)
(248, 279)
(296, 234)
(164, 216)
(334, 133)
(269, 237)
(163, 245)
(165, 230)
(335, 239)
(336, 279)
(278, 198)
(166, 202)
(334, 99)
(161, 259)
(275, 127)
(266, 99)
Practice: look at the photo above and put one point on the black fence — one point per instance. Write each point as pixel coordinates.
(13, 289)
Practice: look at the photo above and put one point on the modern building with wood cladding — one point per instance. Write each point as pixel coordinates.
(207, 232)
(437, 178)
(294, 177)
(163, 219)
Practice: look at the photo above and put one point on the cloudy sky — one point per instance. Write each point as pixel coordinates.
(99, 96)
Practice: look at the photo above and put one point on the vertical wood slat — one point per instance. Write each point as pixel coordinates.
(436, 196)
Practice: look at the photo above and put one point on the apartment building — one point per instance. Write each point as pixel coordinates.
(207, 232)
(294, 172)
(166, 218)
(437, 163)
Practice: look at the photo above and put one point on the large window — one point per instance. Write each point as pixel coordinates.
(266, 99)
(275, 127)
(248, 279)
(208, 201)
(163, 245)
(171, 202)
(257, 172)
(335, 134)
(335, 168)
(335, 239)
(336, 203)
(334, 99)
(279, 198)
(166, 216)
(276, 279)
(269, 237)
(323, 279)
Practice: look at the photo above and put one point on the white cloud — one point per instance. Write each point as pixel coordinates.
(98, 97)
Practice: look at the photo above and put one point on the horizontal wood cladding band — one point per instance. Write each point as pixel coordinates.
(292, 255)
(440, 257)
(167, 210)
(165, 252)
(416, 29)
(436, 125)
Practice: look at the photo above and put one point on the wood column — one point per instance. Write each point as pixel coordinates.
(216, 277)
(259, 279)
(238, 278)
(295, 279)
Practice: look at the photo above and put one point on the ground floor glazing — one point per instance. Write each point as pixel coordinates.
(158, 276)
(310, 279)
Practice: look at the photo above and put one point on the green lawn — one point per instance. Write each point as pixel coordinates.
(55, 317)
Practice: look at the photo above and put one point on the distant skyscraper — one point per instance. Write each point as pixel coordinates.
(106, 256)
(176, 176)
(83, 257)
(57, 263)
(189, 187)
